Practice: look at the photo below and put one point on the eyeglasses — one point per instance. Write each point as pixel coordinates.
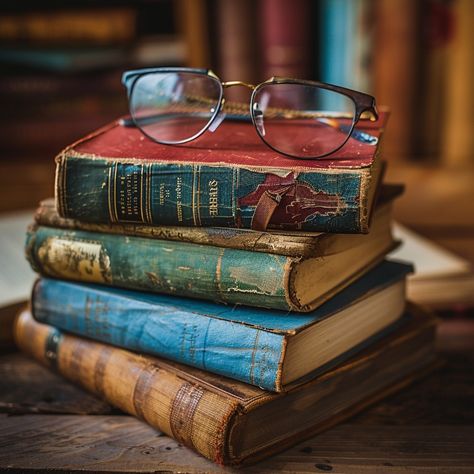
(298, 118)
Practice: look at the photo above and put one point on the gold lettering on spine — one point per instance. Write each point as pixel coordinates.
(142, 208)
(198, 196)
(115, 192)
(148, 189)
(179, 203)
(193, 195)
(213, 197)
(110, 196)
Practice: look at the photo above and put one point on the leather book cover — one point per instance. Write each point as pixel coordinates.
(227, 421)
(116, 175)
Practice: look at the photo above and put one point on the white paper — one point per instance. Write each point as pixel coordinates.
(16, 276)
(430, 259)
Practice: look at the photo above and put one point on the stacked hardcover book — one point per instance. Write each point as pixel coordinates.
(233, 298)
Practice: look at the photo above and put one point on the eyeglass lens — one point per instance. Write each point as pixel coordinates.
(174, 107)
(302, 120)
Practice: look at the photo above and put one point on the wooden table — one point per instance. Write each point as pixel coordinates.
(48, 424)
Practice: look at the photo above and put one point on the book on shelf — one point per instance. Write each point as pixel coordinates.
(224, 420)
(236, 53)
(285, 35)
(286, 272)
(116, 175)
(345, 44)
(396, 59)
(270, 349)
(69, 27)
(457, 138)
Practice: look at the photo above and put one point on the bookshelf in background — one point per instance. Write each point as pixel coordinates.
(61, 67)
(457, 144)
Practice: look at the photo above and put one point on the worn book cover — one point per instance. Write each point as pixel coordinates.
(117, 175)
(221, 274)
(227, 421)
(270, 349)
(280, 242)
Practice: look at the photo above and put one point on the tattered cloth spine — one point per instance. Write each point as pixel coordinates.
(188, 412)
(123, 191)
(238, 351)
(294, 244)
(178, 268)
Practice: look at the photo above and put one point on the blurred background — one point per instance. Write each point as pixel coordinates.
(61, 62)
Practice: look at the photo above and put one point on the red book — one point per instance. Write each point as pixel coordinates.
(286, 38)
(117, 175)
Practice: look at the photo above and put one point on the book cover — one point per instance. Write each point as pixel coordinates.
(243, 343)
(285, 30)
(116, 175)
(221, 274)
(290, 243)
(226, 421)
(396, 63)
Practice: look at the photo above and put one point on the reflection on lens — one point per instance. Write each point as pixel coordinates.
(174, 107)
(302, 120)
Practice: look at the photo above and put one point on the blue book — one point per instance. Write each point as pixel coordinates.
(267, 348)
(345, 46)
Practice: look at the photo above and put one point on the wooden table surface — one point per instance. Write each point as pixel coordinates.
(47, 424)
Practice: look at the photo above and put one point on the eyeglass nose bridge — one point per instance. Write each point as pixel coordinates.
(238, 83)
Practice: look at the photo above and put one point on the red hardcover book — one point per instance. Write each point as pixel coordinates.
(286, 38)
(116, 175)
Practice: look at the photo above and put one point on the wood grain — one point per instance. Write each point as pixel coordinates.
(124, 444)
(27, 387)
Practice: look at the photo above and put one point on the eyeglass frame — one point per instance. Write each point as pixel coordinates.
(364, 103)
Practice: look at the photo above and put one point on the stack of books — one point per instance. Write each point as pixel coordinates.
(165, 291)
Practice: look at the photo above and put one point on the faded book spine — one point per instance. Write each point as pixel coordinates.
(188, 412)
(234, 350)
(160, 193)
(292, 245)
(177, 268)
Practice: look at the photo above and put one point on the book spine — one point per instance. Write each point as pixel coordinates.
(231, 349)
(143, 387)
(286, 37)
(187, 194)
(281, 244)
(176, 268)
(396, 63)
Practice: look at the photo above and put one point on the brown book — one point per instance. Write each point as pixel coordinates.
(395, 61)
(224, 420)
(458, 119)
(70, 27)
(235, 45)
